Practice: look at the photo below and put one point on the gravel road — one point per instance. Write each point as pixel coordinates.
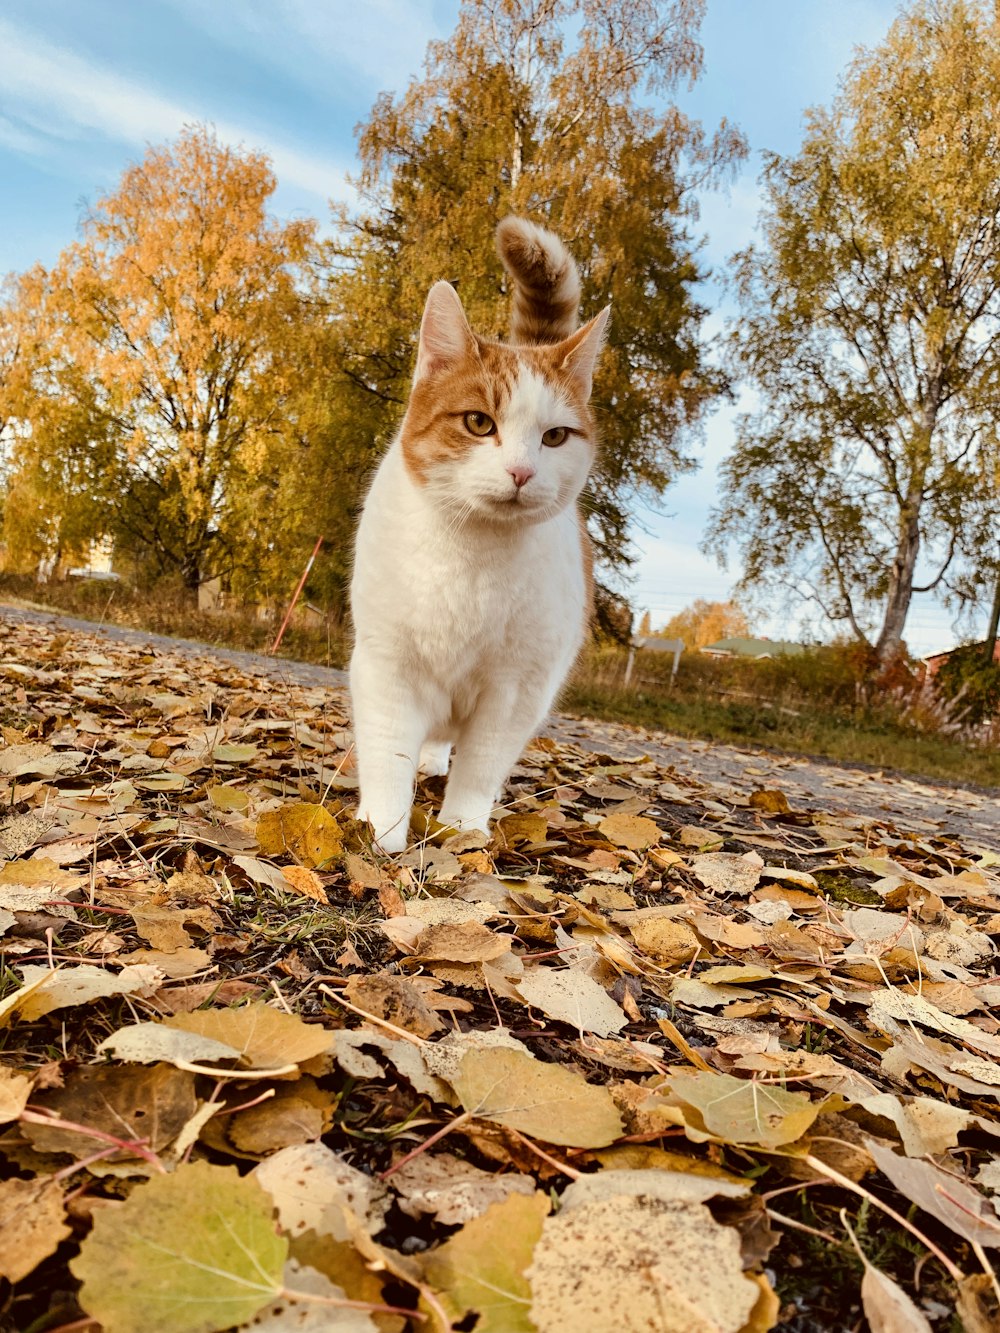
(915, 807)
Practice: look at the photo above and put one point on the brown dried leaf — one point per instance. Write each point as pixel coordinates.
(726, 872)
(313, 1187)
(570, 996)
(952, 1200)
(888, 1309)
(32, 1224)
(14, 1092)
(307, 882)
(452, 1190)
(632, 831)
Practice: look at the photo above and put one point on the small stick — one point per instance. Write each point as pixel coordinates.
(373, 1018)
(457, 1123)
(953, 1270)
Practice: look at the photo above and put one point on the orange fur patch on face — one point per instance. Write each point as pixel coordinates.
(433, 430)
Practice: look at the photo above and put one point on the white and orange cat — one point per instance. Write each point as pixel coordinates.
(471, 580)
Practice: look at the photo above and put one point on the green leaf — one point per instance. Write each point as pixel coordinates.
(741, 1110)
(192, 1252)
(481, 1267)
(548, 1102)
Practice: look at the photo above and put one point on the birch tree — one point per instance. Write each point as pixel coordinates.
(870, 329)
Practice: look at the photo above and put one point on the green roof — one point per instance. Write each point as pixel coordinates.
(754, 647)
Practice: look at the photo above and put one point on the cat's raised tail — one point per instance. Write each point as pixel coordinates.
(546, 282)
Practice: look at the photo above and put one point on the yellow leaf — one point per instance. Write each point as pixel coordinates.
(266, 1037)
(632, 831)
(306, 882)
(307, 832)
(549, 1102)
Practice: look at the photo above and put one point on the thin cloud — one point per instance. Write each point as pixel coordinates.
(63, 97)
(384, 49)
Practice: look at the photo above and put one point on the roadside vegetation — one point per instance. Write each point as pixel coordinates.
(828, 702)
(831, 702)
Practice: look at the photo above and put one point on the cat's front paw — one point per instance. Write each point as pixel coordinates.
(465, 823)
(434, 758)
(387, 838)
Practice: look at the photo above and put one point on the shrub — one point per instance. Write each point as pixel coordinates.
(970, 685)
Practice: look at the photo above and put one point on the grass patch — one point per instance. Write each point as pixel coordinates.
(739, 704)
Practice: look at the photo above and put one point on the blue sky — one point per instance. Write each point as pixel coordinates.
(86, 84)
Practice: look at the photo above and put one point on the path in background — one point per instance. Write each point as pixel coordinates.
(915, 807)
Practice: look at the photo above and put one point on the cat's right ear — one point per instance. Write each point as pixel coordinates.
(445, 336)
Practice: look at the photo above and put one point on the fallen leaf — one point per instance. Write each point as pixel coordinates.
(740, 1110)
(307, 882)
(313, 1313)
(148, 1043)
(461, 942)
(452, 1190)
(32, 1224)
(312, 1187)
(947, 1197)
(303, 830)
(152, 1105)
(264, 1036)
(632, 831)
(394, 998)
(664, 939)
(770, 800)
(481, 1269)
(570, 996)
(548, 1102)
(14, 1092)
(643, 1259)
(726, 872)
(888, 1309)
(189, 1252)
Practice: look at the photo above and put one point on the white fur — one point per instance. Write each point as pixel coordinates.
(469, 606)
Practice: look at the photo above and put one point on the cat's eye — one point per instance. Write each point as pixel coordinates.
(478, 423)
(555, 436)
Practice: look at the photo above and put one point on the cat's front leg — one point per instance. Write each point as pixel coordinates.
(389, 729)
(485, 752)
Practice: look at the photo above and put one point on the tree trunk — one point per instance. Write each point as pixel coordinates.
(191, 569)
(991, 634)
(900, 594)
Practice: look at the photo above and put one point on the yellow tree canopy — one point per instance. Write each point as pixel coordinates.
(705, 622)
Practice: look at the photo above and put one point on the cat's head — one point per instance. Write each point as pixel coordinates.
(495, 432)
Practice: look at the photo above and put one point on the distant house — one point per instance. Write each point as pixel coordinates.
(753, 648)
(935, 661)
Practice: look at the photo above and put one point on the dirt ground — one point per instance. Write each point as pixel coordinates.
(971, 815)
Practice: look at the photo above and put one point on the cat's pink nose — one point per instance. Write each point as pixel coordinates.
(521, 475)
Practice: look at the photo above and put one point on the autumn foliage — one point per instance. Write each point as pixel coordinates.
(210, 386)
(705, 622)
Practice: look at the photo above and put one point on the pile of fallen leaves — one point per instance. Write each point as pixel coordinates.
(658, 1055)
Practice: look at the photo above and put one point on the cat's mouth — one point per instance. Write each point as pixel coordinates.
(517, 507)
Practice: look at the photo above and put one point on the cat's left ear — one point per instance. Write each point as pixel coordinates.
(579, 352)
(445, 336)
